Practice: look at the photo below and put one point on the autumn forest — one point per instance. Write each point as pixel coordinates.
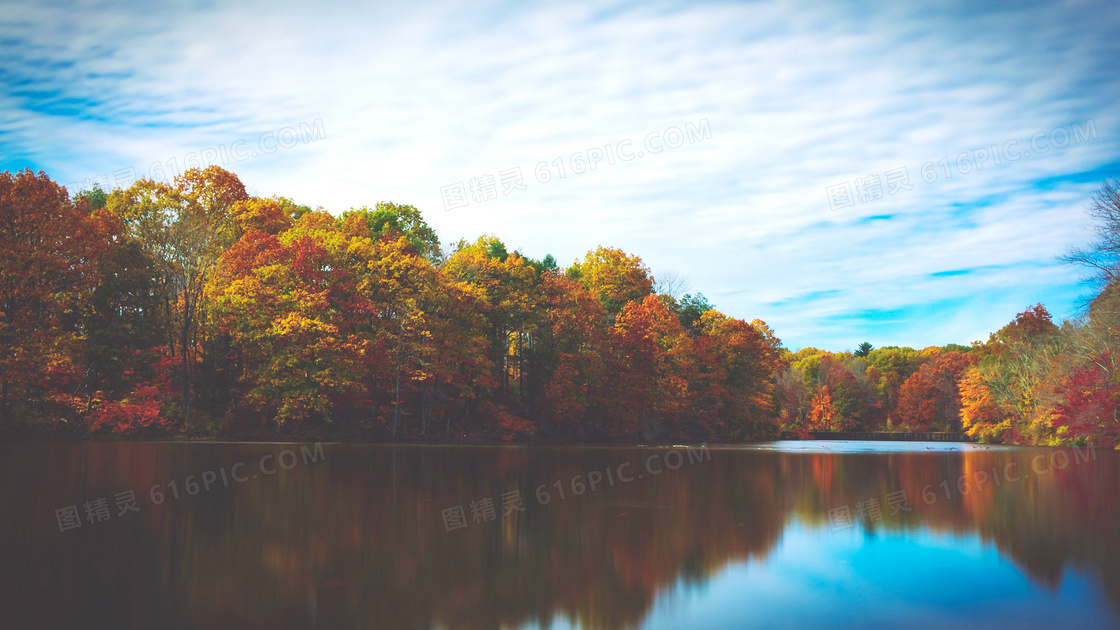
(193, 309)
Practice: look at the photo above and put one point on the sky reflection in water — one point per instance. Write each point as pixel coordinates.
(744, 537)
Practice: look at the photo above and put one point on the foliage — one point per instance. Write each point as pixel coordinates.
(616, 277)
(170, 307)
(49, 248)
(388, 219)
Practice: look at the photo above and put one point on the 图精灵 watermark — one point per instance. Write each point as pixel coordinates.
(871, 187)
(96, 510)
(869, 510)
(486, 187)
(485, 509)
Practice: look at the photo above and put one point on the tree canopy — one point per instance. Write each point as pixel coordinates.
(194, 307)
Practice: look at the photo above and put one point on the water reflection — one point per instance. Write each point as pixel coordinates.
(747, 535)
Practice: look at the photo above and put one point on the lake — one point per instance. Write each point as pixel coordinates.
(776, 535)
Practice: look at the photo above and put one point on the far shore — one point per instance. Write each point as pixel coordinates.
(298, 436)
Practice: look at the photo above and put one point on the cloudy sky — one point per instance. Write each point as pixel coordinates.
(901, 173)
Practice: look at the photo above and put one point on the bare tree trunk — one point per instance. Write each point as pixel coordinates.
(4, 402)
(186, 354)
(397, 398)
(397, 377)
(427, 408)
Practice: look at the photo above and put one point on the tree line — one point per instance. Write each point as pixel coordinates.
(1031, 382)
(193, 308)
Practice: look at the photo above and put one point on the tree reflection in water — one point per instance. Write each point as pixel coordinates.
(359, 540)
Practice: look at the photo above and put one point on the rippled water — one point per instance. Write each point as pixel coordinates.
(787, 534)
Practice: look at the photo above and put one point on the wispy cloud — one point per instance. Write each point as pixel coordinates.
(798, 98)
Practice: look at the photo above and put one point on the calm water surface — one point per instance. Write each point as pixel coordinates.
(789, 534)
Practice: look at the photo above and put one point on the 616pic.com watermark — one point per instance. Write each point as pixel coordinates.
(484, 187)
(97, 510)
(870, 510)
(267, 143)
(869, 188)
(484, 509)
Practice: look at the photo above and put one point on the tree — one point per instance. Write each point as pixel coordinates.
(692, 308)
(985, 414)
(930, 397)
(615, 276)
(1088, 410)
(506, 287)
(185, 227)
(1003, 397)
(822, 414)
(835, 393)
(456, 373)
(891, 367)
(294, 309)
(270, 216)
(734, 366)
(1103, 255)
(864, 349)
(849, 401)
(572, 341)
(546, 265)
(121, 318)
(1032, 326)
(388, 218)
(647, 387)
(95, 197)
(671, 284)
(48, 248)
(401, 287)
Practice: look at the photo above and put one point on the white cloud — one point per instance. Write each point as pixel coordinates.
(798, 98)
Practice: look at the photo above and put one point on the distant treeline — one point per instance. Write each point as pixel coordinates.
(1032, 382)
(193, 308)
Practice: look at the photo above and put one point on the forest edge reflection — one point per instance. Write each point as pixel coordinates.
(360, 534)
(483, 509)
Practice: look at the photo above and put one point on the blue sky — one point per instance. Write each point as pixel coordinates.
(794, 108)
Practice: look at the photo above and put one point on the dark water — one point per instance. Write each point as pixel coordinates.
(803, 534)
